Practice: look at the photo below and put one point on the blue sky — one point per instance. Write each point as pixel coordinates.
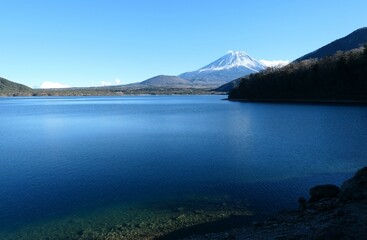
(91, 42)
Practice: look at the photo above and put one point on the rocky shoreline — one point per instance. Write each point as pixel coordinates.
(330, 213)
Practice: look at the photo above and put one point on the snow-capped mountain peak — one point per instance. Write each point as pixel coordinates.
(234, 59)
(231, 66)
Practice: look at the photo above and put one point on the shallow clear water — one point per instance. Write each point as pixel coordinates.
(62, 155)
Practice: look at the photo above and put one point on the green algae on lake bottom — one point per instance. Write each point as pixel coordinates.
(137, 221)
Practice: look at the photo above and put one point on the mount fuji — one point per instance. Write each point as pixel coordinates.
(233, 65)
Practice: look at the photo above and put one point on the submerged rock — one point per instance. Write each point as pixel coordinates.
(323, 192)
(329, 233)
(332, 213)
(302, 203)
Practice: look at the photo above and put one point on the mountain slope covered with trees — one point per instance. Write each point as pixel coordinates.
(7, 86)
(354, 40)
(341, 77)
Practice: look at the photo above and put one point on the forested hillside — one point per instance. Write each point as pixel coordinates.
(7, 86)
(352, 41)
(342, 76)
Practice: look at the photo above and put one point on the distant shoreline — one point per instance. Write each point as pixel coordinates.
(94, 93)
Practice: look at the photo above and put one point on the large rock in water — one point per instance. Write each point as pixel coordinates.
(323, 192)
(356, 187)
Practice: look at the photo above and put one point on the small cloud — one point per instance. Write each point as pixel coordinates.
(104, 83)
(275, 63)
(108, 83)
(48, 84)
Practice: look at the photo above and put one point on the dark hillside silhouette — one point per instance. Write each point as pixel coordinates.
(339, 77)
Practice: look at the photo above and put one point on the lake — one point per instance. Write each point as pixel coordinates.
(148, 165)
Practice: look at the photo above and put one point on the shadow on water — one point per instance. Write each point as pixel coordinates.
(210, 227)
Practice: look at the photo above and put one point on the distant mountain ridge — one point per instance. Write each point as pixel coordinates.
(228, 86)
(163, 81)
(353, 40)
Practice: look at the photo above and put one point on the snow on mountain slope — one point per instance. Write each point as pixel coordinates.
(234, 59)
(275, 63)
(233, 65)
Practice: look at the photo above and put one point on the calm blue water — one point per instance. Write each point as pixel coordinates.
(63, 154)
